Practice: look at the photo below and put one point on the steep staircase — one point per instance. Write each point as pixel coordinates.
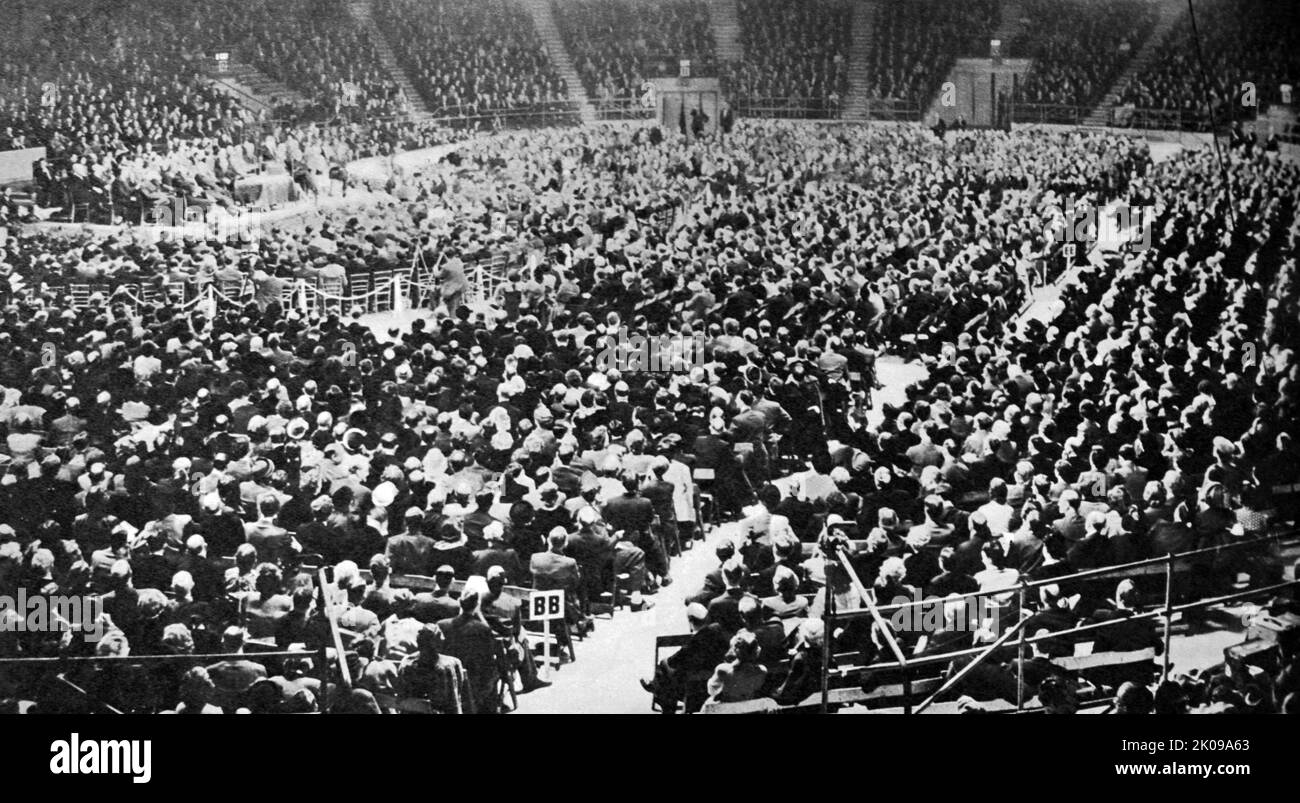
(363, 12)
(857, 100)
(1170, 12)
(724, 19)
(549, 32)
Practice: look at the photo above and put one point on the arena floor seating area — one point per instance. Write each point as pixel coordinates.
(481, 410)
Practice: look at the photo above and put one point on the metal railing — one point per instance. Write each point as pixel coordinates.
(1048, 113)
(1164, 565)
(1158, 119)
(797, 108)
(894, 109)
(908, 666)
(621, 108)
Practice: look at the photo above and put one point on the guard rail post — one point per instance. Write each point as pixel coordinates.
(1020, 656)
(1169, 615)
(828, 627)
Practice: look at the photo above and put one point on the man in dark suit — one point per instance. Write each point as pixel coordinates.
(504, 615)
(273, 542)
(233, 677)
(949, 581)
(934, 531)
(634, 514)
(684, 674)
(1026, 548)
(209, 581)
(320, 535)
(470, 639)
(1133, 635)
(553, 570)
(122, 601)
(660, 492)
(478, 520)
(1093, 550)
(411, 551)
(725, 609)
(497, 554)
(968, 557)
(433, 606)
(749, 426)
(1124, 634)
(152, 569)
(714, 452)
(1070, 524)
(594, 552)
(785, 552)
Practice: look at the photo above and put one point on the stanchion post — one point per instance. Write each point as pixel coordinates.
(1020, 657)
(546, 649)
(828, 628)
(1169, 614)
(322, 655)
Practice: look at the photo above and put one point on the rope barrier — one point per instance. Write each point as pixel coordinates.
(224, 296)
(387, 288)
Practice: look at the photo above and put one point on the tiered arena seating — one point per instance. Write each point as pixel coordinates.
(1250, 41)
(617, 44)
(472, 57)
(914, 44)
(314, 47)
(794, 53)
(262, 501)
(1079, 48)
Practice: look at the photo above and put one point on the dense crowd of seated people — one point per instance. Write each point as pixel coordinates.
(793, 51)
(471, 57)
(914, 44)
(113, 93)
(207, 174)
(180, 467)
(1078, 48)
(315, 48)
(1137, 421)
(617, 44)
(96, 86)
(1249, 41)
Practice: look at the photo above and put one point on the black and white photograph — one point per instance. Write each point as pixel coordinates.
(903, 358)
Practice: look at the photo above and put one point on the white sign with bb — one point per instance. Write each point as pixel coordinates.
(546, 605)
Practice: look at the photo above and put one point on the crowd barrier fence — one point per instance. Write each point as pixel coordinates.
(906, 673)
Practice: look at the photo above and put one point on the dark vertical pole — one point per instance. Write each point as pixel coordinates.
(828, 627)
(323, 657)
(1020, 656)
(993, 104)
(1169, 613)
